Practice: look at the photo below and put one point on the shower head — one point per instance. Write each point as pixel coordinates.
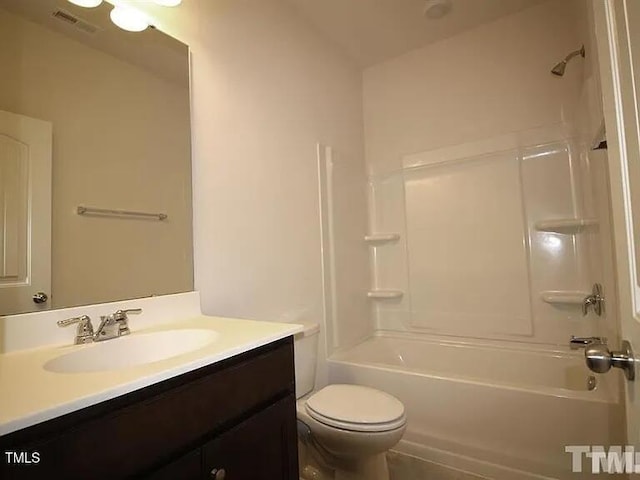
(561, 67)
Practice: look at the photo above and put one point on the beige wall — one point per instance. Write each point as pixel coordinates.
(106, 154)
(487, 81)
(266, 88)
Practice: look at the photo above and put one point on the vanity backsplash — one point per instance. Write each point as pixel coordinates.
(38, 329)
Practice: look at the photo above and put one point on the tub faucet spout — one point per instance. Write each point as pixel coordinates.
(576, 343)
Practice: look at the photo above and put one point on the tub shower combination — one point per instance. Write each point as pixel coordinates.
(484, 260)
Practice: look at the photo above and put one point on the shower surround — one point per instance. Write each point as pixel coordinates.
(491, 248)
(497, 239)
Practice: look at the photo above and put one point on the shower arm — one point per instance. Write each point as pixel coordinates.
(575, 53)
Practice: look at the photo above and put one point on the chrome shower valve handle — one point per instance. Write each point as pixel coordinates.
(595, 301)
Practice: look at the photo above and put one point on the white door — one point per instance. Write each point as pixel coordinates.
(25, 213)
(618, 36)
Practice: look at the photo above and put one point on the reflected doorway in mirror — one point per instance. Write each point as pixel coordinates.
(25, 212)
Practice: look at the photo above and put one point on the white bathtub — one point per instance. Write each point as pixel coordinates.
(506, 412)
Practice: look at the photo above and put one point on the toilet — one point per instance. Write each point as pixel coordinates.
(349, 428)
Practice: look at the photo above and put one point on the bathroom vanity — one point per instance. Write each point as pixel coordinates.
(233, 416)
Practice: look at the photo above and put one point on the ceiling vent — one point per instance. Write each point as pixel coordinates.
(76, 22)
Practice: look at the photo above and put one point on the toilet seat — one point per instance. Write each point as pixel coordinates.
(356, 408)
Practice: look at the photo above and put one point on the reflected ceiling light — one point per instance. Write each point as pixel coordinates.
(129, 19)
(86, 3)
(436, 9)
(168, 3)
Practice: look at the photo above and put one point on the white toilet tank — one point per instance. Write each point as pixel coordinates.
(305, 346)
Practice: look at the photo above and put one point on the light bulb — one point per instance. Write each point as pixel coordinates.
(168, 3)
(436, 9)
(129, 19)
(86, 3)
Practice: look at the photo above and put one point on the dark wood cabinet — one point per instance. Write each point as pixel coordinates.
(257, 448)
(237, 415)
(187, 467)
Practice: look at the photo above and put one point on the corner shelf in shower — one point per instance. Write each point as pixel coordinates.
(380, 238)
(566, 225)
(564, 297)
(385, 294)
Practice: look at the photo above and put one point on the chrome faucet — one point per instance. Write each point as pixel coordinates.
(576, 343)
(111, 326)
(84, 333)
(115, 325)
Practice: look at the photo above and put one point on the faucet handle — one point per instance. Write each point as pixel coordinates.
(587, 303)
(84, 334)
(122, 314)
(70, 321)
(595, 300)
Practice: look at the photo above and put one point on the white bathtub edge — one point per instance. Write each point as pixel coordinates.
(463, 463)
(548, 391)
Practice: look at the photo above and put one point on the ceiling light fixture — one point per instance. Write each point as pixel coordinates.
(436, 9)
(168, 3)
(129, 19)
(86, 3)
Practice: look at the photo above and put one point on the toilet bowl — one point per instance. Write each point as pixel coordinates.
(351, 427)
(352, 421)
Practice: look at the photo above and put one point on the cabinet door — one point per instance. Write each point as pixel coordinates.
(263, 447)
(188, 467)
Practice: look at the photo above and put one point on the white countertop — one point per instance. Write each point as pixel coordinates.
(29, 394)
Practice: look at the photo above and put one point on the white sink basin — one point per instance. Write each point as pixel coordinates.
(131, 350)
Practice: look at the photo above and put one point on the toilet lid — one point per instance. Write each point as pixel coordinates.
(356, 408)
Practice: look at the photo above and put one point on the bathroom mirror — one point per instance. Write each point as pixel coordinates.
(95, 159)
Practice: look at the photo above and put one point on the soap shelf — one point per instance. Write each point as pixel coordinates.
(379, 238)
(564, 297)
(566, 225)
(385, 294)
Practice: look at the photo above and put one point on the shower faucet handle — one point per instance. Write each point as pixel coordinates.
(595, 301)
(576, 343)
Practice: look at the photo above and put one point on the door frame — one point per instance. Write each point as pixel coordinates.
(622, 120)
